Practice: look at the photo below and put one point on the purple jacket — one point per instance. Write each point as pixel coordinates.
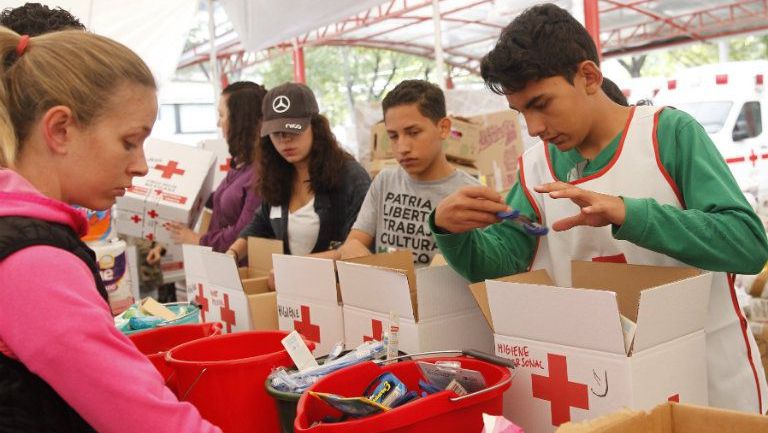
(234, 204)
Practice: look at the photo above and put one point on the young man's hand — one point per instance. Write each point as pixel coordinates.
(469, 208)
(597, 209)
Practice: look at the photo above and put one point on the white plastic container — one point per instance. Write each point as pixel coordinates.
(113, 267)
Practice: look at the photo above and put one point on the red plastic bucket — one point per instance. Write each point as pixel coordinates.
(440, 412)
(155, 342)
(224, 375)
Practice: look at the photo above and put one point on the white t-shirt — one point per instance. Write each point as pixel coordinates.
(303, 227)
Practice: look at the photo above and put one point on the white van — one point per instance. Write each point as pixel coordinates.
(728, 100)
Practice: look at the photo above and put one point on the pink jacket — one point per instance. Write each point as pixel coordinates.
(53, 320)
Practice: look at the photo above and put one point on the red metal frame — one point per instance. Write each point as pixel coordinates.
(654, 31)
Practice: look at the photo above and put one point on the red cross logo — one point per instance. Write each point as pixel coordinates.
(158, 192)
(674, 397)
(136, 219)
(305, 326)
(152, 214)
(377, 329)
(227, 314)
(202, 301)
(150, 236)
(169, 170)
(556, 389)
(753, 157)
(225, 167)
(618, 258)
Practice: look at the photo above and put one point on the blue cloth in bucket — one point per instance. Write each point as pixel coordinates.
(133, 318)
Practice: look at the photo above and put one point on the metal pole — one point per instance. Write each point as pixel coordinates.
(299, 71)
(592, 23)
(215, 83)
(439, 60)
(723, 50)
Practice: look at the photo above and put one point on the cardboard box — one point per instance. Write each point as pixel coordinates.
(239, 298)
(461, 145)
(220, 148)
(308, 299)
(500, 146)
(489, 148)
(673, 418)
(178, 183)
(436, 311)
(574, 360)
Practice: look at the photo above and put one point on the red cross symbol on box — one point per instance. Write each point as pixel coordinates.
(227, 314)
(674, 397)
(305, 326)
(753, 157)
(152, 214)
(136, 219)
(377, 328)
(225, 168)
(202, 301)
(169, 170)
(150, 236)
(618, 258)
(556, 389)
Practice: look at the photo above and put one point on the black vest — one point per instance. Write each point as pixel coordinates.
(27, 403)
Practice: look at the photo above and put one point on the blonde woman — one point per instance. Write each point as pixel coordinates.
(75, 109)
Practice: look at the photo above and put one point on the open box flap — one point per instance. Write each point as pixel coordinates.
(260, 252)
(194, 263)
(306, 277)
(626, 280)
(672, 310)
(222, 270)
(480, 291)
(441, 291)
(575, 317)
(375, 288)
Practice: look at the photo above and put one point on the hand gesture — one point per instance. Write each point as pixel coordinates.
(182, 234)
(597, 209)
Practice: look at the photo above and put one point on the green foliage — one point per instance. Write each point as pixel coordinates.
(666, 63)
(340, 76)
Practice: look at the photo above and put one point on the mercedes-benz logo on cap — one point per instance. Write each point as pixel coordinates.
(281, 104)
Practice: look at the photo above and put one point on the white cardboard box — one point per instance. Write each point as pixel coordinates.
(573, 360)
(239, 298)
(435, 308)
(308, 299)
(219, 148)
(179, 181)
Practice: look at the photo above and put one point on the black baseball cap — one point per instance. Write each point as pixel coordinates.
(288, 108)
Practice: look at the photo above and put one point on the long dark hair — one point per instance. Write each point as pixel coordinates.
(244, 105)
(326, 160)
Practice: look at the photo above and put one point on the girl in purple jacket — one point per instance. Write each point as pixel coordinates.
(235, 200)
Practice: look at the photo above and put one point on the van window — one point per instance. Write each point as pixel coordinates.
(749, 123)
(711, 114)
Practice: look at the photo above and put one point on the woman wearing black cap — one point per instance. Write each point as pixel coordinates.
(312, 189)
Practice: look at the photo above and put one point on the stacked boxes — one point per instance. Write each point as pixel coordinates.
(179, 181)
(485, 146)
